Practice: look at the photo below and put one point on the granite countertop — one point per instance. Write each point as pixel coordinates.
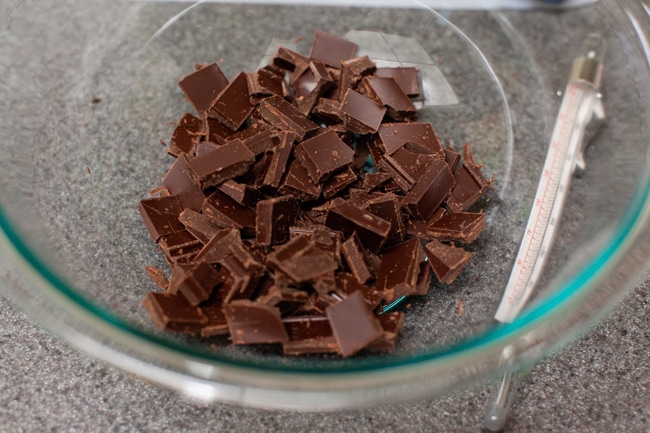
(601, 383)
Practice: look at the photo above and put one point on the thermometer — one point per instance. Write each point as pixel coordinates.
(581, 114)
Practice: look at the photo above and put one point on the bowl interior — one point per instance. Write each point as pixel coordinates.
(89, 109)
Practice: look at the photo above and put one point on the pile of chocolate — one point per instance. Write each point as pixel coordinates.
(304, 198)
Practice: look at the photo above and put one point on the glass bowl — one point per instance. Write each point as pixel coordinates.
(89, 89)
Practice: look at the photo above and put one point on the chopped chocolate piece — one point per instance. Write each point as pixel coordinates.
(406, 78)
(160, 215)
(204, 147)
(179, 247)
(446, 261)
(286, 299)
(251, 322)
(392, 325)
(419, 229)
(388, 207)
(374, 180)
(355, 257)
(229, 213)
(180, 182)
(302, 259)
(323, 154)
(225, 162)
(452, 158)
(272, 172)
(257, 138)
(430, 190)
(331, 49)
(361, 114)
(338, 182)
(202, 227)
(232, 107)
(157, 275)
(424, 279)
(310, 345)
(185, 136)
(359, 197)
(172, 312)
(353, 71)
(203, 86)
(284, 116)
(329, 110)
(197, 282)
(243, 194)
(216, 132)
(399, 269)
(274, 217)
(348, 284)
(303, 327)
(348, 218)
(298, 183)
(213, 310)
(353, 324)
(462, 227)
(264, 83)
(291, 61)
(242, 272)
(413, 161)
(387, 92)
(471, 185)
(393, 136)
(312, 85)
(218, 247)
(399, 174)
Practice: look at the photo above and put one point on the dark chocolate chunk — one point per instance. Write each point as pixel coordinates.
(274, 217)
(197, 282)
(471, 185)
(285, 117)
(278, 157)
(355, 257)
(312, 85)
(348, 283)
(185, 136)
(393, 136)
(216, 323)
(229, 213)
(257, 138)
(392, 324)
(242, 273)
(264, 83)
(353, 324)
(202, 227)
(353, 71)
(331, 49)
(310, 345)
(430, 190)
(179, 247)
(361, 114)
(462, 227)
(348, 218)
(400, 175)
(338, 182)
(388, 93)
(388, 207)
(158, 276)
(301, 259)
(218, 247)
(446, 261)
(323, 154)
(291, 61)
(225, 162)
(252, 323)
(216, 132)
(233, 106)
(298, 183)
(245, 195)
(406, 78)
(203, 86)
(160, 215)
(399, 269)
(329, 110)
(172, 312)
(180, 182)
(374, 180)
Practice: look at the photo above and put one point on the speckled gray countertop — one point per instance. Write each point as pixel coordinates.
(601, 383)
